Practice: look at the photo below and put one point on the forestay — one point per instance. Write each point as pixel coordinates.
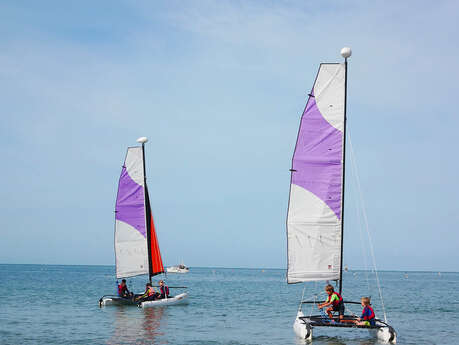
(315, 205)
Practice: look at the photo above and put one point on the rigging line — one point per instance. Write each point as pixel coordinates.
(302, 296)
(313, 305)
(362, 200)
(315, 299)
(359, 216)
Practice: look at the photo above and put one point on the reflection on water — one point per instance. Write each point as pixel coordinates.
(137, 326)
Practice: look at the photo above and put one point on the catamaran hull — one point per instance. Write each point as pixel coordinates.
(385, 334)
(179, 299)
(117, 301)
(303, 330)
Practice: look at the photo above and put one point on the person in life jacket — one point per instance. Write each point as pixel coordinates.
(163, 289)
(123, 290)
(334, 301)
(368, 315)
(149, 295)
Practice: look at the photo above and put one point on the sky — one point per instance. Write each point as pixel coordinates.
(218, 87)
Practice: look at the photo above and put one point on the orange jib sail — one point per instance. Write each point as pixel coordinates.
(156, 261)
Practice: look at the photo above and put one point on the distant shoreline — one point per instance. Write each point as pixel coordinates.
(229, 268)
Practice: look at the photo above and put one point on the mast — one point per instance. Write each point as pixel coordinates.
(143, 140)
(346, 52)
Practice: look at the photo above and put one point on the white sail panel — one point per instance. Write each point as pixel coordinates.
(315, 205)
(314, 238)
(131, 251)
(329, 94)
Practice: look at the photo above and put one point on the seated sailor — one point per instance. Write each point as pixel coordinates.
(163, 289)
(149, 295)
(368, 315)
(334, 301)
(123, 291)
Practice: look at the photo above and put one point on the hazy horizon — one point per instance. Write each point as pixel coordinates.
(242, 268)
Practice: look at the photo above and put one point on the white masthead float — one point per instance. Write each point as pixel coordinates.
(136, 244)
(316, 202)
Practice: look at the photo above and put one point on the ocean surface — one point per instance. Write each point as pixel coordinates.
(45, 304)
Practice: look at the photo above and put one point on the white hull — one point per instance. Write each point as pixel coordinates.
(301, 328)
(175, 269)
(385, 334)
(179, 299)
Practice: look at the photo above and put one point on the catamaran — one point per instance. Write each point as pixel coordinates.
(316, 202)
(136, 244)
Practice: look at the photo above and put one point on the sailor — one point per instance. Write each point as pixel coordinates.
(149, 295)
(334, 301)
(368, 314)
(123, 290)
(164, 289)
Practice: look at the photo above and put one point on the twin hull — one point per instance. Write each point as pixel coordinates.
(179, 299)
(303, 330)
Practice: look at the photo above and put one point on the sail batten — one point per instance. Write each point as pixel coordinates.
(315, 204)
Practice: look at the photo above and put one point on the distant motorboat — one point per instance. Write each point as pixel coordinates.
(177, 269)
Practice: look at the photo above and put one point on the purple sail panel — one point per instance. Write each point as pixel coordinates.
(317, 158)
(130, 203)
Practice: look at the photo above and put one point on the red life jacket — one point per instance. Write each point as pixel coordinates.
(122, 290)
(372, 315)
(164, 290)
(339, 301)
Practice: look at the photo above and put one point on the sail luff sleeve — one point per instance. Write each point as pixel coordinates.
(130, 229)
(315, 204)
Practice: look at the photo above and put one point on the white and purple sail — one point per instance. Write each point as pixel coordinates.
(314, 220)
(136, 246)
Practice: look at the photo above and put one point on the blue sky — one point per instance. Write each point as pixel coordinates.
(219, 87)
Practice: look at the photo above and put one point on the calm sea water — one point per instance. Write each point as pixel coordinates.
(43, 304)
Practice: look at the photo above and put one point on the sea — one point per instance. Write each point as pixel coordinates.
(47, 304)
